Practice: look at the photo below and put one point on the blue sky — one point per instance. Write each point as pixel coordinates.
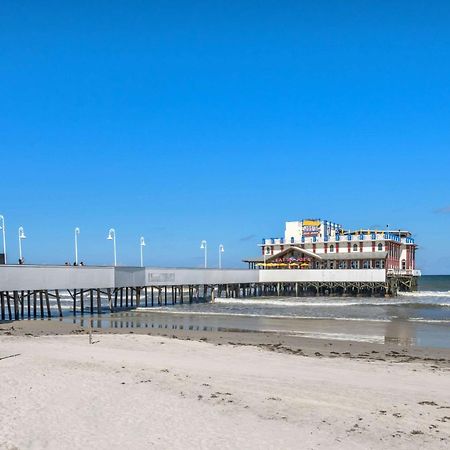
(184, 121)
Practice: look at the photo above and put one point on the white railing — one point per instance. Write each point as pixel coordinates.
(341, 238)
(407, 272)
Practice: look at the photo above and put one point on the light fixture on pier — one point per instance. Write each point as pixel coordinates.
(3, 228)
(142, 245)
(221, 250)
(77, 232)
(21, 237)
(204, 246)
(112, 237)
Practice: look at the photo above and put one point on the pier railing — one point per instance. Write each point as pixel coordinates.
(42, 291)
(403, 272)
(34, 277)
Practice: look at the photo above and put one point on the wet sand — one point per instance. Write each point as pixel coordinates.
(434, 358)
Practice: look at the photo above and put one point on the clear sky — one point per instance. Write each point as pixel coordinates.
(184, 121)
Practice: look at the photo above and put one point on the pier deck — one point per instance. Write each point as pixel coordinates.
(35, 290)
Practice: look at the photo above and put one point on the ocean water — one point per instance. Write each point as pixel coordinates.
(420, 318)
(430, 303)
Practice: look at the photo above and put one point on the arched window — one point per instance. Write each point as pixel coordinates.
(331, 248)
(292, 240)
(355, 247)
(380, 247)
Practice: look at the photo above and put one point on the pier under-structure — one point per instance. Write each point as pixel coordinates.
(32, 291)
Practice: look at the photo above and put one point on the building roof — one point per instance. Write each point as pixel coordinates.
(254, 260)
(297, 249)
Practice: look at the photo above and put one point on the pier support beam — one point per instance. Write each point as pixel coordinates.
(47, 302)
(99, 302)
(58, 303)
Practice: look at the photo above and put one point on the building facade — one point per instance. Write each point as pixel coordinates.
(322, 244)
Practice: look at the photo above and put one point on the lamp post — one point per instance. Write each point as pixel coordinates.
(204, 246)
(221, 250)
(142, 245)
(77, 232)
(112, 237)
(21, 237)
(3, 228)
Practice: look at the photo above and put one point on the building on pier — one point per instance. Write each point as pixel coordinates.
(322, 244)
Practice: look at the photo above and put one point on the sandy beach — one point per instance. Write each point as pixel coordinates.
(140, 391)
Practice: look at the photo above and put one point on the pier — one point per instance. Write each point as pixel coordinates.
(32, 291)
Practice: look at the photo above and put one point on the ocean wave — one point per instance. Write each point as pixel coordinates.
(366, 302)
(422, 320)
(420, 294)
(272, 302)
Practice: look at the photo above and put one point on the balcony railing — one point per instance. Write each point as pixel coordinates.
(340, 238)
(405, 272)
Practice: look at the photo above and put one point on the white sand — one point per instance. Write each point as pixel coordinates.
(135, 392)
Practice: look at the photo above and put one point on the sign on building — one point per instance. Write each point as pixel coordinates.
(311, 228)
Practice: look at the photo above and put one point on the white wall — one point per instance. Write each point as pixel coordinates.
(155, 276)
(326, 275)
(14, 278)
(129, 276)
(293, 229)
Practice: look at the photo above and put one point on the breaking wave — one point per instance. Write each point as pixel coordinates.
(421, 294)
(321, 303)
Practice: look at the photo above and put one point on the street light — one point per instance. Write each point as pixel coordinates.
(221, 250)
(21, 237)
(77, 232)
(204, 246)
(112, 237)
(3, 228)
(142, 245)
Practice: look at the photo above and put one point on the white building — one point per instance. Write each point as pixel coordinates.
(321, 244)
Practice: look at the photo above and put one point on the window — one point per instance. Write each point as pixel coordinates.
(342, 265)
(403, 264)
(292, 240)
(331, 265)
(355, 265)
(355, 247)
(331, 248)
(380, 247)
(366, 265)
(267, 250)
